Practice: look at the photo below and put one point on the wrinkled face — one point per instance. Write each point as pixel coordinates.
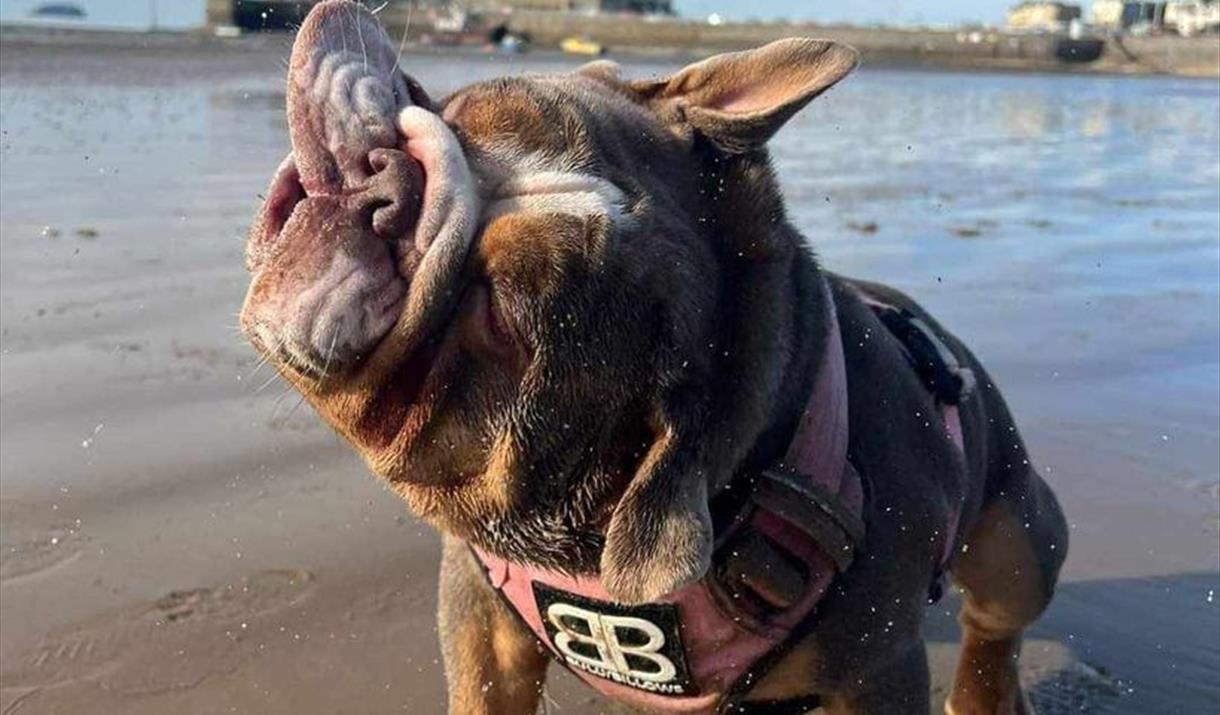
(480, 299)
(517, 305)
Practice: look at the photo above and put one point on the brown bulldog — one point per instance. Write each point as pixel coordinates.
(566, 318)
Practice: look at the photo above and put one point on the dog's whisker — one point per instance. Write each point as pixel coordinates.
(264, 386)
(342, 37)
(402, 43)
(330, 352)
(279, 400)
(266, 358)
(364, 54)
(295, 407)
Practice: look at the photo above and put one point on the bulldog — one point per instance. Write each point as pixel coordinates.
(567, 319)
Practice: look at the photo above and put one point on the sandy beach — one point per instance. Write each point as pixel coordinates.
(179, 534)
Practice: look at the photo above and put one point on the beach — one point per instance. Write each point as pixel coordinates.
(179, 534)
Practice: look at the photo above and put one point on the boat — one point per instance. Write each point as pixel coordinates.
(582, 46)
(1079, 49)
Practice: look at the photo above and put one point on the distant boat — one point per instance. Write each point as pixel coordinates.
(582, 46)
(501, 39)
(1082, 49)
(59, 11)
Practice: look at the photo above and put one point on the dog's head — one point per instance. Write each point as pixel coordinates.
(513, 304)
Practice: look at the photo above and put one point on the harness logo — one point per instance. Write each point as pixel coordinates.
(637, 646)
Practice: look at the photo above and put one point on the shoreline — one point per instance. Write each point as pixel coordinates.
(873, 54)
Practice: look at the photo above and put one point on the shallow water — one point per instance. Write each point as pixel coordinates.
(1067, 228)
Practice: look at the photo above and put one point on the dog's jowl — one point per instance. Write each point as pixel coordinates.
(567, 319)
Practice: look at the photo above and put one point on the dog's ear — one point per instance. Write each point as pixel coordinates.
(660, 534)
(739, 100)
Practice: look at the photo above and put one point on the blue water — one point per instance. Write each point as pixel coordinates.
(1067, 227)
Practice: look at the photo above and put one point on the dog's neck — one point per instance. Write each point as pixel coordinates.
(798, 380)
(751, 228)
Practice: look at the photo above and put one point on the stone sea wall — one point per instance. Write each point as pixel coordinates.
(982, 49)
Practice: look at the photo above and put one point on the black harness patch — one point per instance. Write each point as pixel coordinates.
(637, 646)
(937, 366)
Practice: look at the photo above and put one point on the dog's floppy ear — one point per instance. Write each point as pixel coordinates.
(660, 534)
(739, 100)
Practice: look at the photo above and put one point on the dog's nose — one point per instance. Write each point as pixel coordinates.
(392, 196)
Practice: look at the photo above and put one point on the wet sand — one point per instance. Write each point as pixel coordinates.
(177, 534)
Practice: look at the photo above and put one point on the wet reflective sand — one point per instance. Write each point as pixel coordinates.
(178, 536)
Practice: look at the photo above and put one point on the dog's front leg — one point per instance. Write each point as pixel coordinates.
(901, 686)
(493, 665)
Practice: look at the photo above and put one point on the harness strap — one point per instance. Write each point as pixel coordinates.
(815, 487)
(815, 511)
(945, 379)
(928, 354)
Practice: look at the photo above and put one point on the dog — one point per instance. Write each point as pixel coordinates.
(566, 318)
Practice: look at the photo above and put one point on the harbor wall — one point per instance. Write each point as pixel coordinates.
(980, 48)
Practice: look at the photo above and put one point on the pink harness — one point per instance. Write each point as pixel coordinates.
(703, 646)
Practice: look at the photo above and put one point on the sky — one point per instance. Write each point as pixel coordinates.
(893, 12)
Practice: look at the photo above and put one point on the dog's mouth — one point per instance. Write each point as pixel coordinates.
(358, 249)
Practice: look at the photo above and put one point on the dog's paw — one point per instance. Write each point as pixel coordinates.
(964, 704)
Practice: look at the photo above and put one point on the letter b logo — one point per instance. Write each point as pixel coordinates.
(636, 646)
(607, 634)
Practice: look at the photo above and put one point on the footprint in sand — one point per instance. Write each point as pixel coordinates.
(25, 553)
(1078, 688)
(172, 643)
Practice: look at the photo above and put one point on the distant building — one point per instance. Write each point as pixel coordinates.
(641, 7)
(1043, 16)
(1122, 15)
(1188, 17)
(1192, 18)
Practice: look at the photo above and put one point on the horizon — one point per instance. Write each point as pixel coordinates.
(863, 12)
